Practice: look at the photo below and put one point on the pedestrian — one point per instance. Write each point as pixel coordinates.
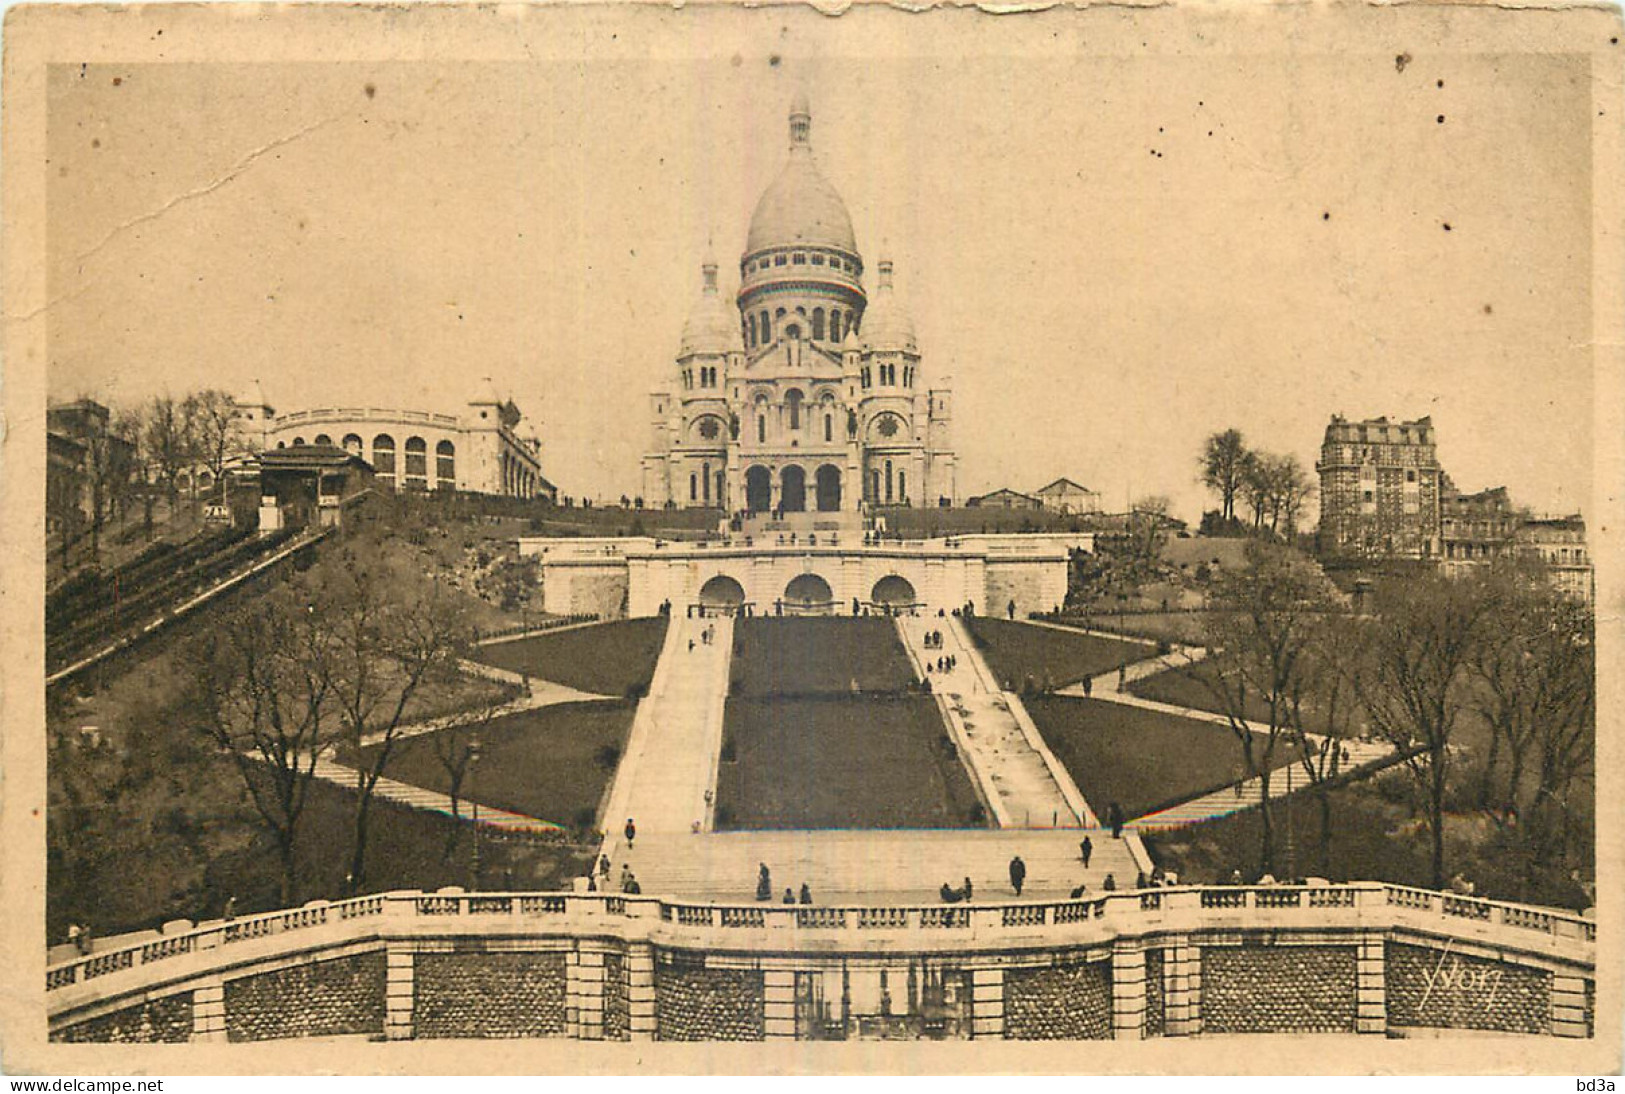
(1122, 676)
(1115, 812)
(631, 833)
(789, 897)
(231, 908)
(967, 889)
(73, 934)
(806, 893)
(1018, 874)
(1086, 850)
(691, 645)
(632, 887)
(1081, 891)
(1235, 877)
(626, 876)
(1088, 687)
(1110, 884)
(603, 866)
(1141, 881)
(764, 882)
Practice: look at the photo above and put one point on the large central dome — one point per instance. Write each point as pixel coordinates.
(800, 207)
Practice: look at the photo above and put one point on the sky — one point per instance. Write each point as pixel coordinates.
(1109, 254)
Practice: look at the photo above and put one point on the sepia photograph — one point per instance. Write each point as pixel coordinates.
(919, 539)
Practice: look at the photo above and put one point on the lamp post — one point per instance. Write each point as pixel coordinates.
(474, 803)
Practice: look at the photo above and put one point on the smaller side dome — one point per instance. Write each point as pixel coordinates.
(886, 323)
(713, 326)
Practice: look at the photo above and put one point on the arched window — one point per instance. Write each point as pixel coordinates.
(835, 325)
(445, 464)
(705, 476)
(298, 442)
(693, 487)
(324, 439)
(779, 314)
(818, 324)
(750, 331)
(417, 459)
(792, 402)
(719, 493)
(766, 334)
(352, 444)
(383, 455)
(282, 444)
(761, 429)
(829, 428)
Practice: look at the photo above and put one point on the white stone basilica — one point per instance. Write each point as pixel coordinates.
(811, 396)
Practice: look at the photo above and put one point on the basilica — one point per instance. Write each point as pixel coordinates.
(808, 394)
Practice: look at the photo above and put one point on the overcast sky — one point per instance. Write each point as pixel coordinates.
(1111, 256)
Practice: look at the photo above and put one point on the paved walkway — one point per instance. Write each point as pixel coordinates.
(670, 768)
(432, 800)
(894, 866)
(1023, 784)
(542, 693)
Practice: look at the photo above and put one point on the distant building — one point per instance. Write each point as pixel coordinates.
(83, 454)
(308, 485)
(1560, 543)
(1066, 496)
(478, 451)
(1476, 528)
(1379, 490)
(1004, 499)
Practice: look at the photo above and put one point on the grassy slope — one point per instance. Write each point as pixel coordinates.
(1139, 758)
(818, 656)
(1016, 651)
(867, 762)
(608, 659)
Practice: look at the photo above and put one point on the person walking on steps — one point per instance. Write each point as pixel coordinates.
(764, 883)
(806, 893)
(631, 833)
(1086, 850)
(1018, 874)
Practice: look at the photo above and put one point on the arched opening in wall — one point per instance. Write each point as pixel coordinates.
(758, 489)
(324, 439)
(705, 481)
(693, 487)
(793, 331)
(417, 462)
(352, 444)
(835, 325)
(445, 465)
(829, 427)
(828, 479)
(792, 403)
(383, 455)
(299, 442)
(818, 324)
(808, 594)
(793, 490)
(722, 591)
(765, 335)
(894, 592)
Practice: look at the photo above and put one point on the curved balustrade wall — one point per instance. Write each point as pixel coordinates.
(1363, 958)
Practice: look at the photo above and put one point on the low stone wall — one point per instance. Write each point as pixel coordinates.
(166, 1020)
(1156, 995)
(1070, 1002)
(323, 999)
(489, 995)
(699, 1004)
(1437, 988)
(617, 1012)
(1278, 989)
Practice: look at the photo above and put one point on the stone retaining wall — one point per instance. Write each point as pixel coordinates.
(1062, 1002)
(167, 1020)
(617, 1012)
(700, 1004)
(1278, 989)
(1437, 988)
(324, 999)
(489, 995)
(1156, 997)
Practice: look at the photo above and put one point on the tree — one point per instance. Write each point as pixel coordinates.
(169, 440)
(212, 415)
(110, 468)
(1265, 617)
(1224, 466)
(1148, 521)
(259, 687)
(1292, 489)
(1411, 681)
(1326, 707)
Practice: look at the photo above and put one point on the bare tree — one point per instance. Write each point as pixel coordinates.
(1412, 681)
(1223, 468)
(259, 687)
(212, 415)
(1149, 522)
(169, 438)
(1326, 707)
(1293, 487)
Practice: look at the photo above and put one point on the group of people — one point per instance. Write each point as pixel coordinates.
(961, 895)
(707, 636)
(764, 888)
(598, 881)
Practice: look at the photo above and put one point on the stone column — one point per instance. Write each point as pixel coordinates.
(399, 992)
(640, 991)
(1182, 994)
(209, 1011)
(1569, 1006)
(584, 994)
(987, 1003)
(1370, 986)
(779, 1004)
(1128, 991)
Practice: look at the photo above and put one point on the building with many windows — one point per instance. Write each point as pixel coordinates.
(1475, 529)
(1379, 490)
(808, 393)
(1559, 543)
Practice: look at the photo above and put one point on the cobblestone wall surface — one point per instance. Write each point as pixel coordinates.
(1061, 1003)
(1156, 1000)
(616, 1018)
(489, 995)
(344, 995)
(167, 1020)
(1278, 989)
(1438, 989)
(695, 1004)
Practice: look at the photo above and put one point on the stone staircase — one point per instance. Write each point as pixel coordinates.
(417, 797)
(1022, 783)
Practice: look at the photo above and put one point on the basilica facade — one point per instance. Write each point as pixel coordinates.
(807, 394)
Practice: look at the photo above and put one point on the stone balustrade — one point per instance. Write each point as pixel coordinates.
(1251, 943)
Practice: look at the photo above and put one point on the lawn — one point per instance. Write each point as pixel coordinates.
(1184, 687)
(818, 656)
(551, 763)
(1141, 759)
(1018, 651)
(614, 659)
(841, 762)
(1191, 628)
